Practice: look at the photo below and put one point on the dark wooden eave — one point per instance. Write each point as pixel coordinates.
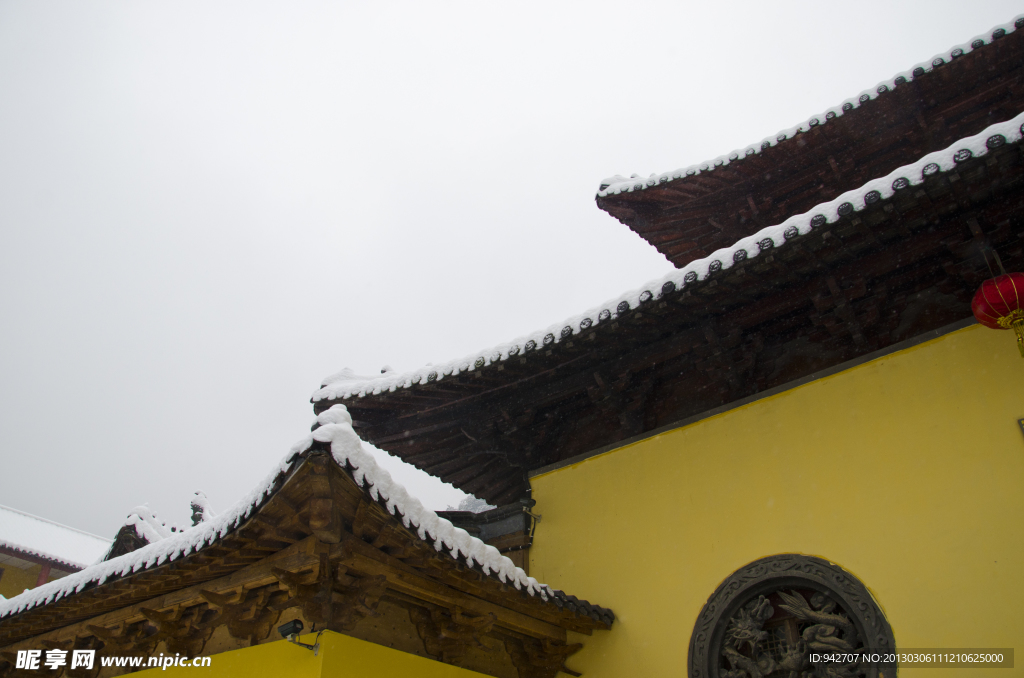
(899, 268)
(690, 217)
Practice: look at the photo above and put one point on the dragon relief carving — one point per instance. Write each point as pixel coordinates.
(770, 618)
(761, 640)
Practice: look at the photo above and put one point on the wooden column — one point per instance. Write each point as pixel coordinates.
(44, 574)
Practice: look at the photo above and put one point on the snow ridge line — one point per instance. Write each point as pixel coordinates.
(44, 526)
(344, 385)
(620, 184)
(347, 449)
(152, 555)
(335, 429)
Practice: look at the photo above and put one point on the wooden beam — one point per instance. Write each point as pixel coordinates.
(294, 558)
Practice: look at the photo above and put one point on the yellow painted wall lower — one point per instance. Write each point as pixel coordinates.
(14, 580)
(907, 471)
(339, 657)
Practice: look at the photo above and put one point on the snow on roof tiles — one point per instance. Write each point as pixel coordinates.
(346, 384)
(335, 429)
(621, 184)
(29, 534)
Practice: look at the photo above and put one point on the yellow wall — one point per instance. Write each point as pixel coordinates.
(907, 471)
(339, 657)
(14, 580)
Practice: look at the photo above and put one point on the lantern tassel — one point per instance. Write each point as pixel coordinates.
(1018, 327)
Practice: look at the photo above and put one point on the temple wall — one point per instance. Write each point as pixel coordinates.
(907, 471)
(15, 580)
(339, 656)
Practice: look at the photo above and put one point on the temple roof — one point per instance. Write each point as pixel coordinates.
(897, 256)
(406, 532)
(690, 212)
(60, 545)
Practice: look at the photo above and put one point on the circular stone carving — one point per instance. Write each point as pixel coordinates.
(768, 617)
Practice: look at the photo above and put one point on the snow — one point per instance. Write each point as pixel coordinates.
(200, 502)
(44, 538)
(346, 384)
(346, 447)
(334, 429)
(621, 184)
(148, 526)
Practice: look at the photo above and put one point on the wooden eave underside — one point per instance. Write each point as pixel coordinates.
(897, 269)
(320, 540)
(690, 217)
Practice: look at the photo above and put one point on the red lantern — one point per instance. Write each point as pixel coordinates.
(999, 304)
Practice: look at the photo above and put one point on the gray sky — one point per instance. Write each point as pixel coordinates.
(206, 207)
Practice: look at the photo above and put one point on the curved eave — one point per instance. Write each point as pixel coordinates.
(615, 186)
(537, 348)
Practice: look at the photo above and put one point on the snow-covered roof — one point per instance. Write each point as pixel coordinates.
(346, 384)
(60, 544)
(148, 526)
(334, 428)
(621, 184)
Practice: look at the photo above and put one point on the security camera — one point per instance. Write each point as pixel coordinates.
(291, 631)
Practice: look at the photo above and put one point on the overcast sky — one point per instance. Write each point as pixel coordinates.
(206, 207)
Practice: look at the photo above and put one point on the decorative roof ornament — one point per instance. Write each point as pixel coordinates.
(201, 510)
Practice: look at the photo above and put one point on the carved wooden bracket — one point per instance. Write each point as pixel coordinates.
(447, 635)
(332, 598)
(180, 629)
(247, 614)
(540, 659)
(127, 640)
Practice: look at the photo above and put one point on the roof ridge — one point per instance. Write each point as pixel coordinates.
(53, 522)
(620, 184)
(39, 553)
(855, 200)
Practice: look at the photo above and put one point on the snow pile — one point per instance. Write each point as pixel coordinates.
(621, 184)
(346, 385)
(335, 429)
(148, 526)
(29, 534)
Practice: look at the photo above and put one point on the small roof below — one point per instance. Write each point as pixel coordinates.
(35, 536)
